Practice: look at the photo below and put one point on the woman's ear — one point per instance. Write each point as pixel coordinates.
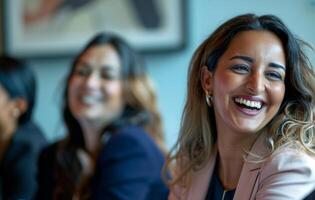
(206, 79)
(20, 107)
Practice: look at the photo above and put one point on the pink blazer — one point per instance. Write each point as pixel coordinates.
(286, 175)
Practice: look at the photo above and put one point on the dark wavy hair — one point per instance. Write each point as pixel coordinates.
(19, 81)
(140, 108)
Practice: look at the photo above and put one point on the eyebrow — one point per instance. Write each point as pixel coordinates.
(81, 64)
(245, 58)
(251, 60)
(278, 66)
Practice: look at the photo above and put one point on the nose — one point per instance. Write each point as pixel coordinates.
(93, 81)
(256, 83)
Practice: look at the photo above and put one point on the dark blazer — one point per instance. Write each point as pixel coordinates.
(129, 168)
(19, 165)
(310, 196)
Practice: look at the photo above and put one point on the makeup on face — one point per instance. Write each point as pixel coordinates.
(248, 83)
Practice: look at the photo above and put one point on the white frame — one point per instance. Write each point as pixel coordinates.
(17, 43)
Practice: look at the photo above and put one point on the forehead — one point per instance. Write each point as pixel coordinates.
(103, 55)
(256, 41)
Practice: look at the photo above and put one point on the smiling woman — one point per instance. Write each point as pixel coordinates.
(114, 147)
(95, 88)
(248, 122)
(245, 79)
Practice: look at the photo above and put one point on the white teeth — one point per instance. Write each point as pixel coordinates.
(253, 104)
(90, 99)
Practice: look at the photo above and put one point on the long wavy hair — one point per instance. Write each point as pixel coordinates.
(294, 122)
(140, 109)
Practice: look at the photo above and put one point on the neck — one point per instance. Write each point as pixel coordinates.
(231, 149)
(5, 139)
(91, 133)
(3, 147)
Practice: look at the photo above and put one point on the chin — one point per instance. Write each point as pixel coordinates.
(249, 130)
(85, 115)
(246, 128)
(249, 125)
(90, 117)
(243, 129)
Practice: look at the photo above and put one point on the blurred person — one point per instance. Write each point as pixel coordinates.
(114, 146)
(248, 123)
(21, 140)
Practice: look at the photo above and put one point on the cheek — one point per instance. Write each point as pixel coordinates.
(277, 94)
(224, 84)
(72, 91)
(114, 90)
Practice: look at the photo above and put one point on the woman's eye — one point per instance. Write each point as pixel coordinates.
(109, 74)
(241, 69)
(274, 76)
(82, 71)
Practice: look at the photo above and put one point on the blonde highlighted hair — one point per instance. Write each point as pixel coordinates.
(294, 122)
(139, 93)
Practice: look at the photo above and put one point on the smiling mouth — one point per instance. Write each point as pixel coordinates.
(249, 104)
(90, 100)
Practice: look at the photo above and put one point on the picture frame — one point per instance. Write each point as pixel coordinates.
(148, 25)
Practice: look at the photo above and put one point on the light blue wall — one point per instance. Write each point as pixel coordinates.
(169, 70)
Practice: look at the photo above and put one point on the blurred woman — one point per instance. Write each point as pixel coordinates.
(114, 147)
(21, 139)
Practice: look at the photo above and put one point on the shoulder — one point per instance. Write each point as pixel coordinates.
(131, 139)
(129, 148)
(131, 144)
(288, 172)
(27, 142)
(135, 133)
(286, 159)
(30, 135)
(129, 165)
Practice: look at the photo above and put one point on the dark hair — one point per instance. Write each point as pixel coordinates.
(19, 82)
(294, 120)
(140, 108)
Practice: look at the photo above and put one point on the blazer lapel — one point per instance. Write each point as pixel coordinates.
(248, 183)
(201, 179)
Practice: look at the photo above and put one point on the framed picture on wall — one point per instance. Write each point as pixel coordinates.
(52, 28)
